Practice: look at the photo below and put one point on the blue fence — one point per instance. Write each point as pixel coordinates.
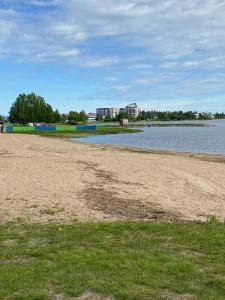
(9, 129)
(45, 128)
(86, 127)
(21, 129)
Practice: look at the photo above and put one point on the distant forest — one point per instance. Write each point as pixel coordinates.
(178, 115)
(154, 115)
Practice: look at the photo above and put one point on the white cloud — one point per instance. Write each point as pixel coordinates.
(111, 78)
(95, 62)
(140, 66)
(191, 64)
(169, 28)
(158, 42)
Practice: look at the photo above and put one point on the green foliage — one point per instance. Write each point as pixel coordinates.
(213, 220)
(1, 118)
(32, 108)
(125, 260)
(219, 115)
(75, 117)
(175, 115)
(83, 117)
(64, 118)
(167, 115)
(122, 115)
(108, 119)
(99, 118)
(57, 116)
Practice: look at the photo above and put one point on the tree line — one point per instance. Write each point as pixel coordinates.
(173, 115)
(178, 115)
(31, 108)
(154, 115)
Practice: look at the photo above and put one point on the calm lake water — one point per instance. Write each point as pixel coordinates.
(209, 140)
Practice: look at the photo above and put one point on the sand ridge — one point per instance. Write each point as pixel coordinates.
(55, 180)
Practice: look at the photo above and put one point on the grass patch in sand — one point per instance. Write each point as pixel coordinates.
(71, 134)
(112, 260)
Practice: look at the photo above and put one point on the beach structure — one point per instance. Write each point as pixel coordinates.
(124, 122)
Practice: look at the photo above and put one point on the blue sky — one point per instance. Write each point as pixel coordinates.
(82, 54)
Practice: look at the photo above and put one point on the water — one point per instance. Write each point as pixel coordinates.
(209, 140)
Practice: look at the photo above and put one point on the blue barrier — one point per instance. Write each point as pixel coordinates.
(9, 129)
(50, 128)
(45, 128)
(86, 127)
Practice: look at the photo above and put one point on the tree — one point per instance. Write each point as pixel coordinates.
(83, 117)
(122, 115)
(64, 118)
(108, 119)
(31, 108)
(1, 118)
(99, 118)
(50, 115)
(74, 117)
(57, 116)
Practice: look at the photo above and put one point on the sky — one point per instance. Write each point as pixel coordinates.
(83, 54)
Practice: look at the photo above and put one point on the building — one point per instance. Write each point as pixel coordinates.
(107, 112)
(123, 110)
(92, 117)
(132, 110)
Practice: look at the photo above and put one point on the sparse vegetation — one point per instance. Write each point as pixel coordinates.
(52, 211)
(118, 260)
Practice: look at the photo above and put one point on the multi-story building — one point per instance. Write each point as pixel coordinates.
(107, 112)
(131, 109)
(123, 110)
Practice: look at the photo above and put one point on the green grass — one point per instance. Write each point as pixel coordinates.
(69, 134)
(125, 260)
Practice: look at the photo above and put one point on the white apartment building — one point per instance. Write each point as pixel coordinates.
(107, 111)
(131, 109)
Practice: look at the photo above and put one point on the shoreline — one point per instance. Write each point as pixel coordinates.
(197, 155)
(58, 180)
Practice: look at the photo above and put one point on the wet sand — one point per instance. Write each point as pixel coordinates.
(56, 180)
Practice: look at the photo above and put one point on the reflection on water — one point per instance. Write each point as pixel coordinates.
(185, 139)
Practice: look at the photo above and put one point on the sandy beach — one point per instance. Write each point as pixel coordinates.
(56, 180)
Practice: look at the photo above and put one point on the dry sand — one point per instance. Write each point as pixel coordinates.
(54, 180)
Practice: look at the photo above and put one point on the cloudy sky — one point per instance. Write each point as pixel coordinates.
(80, 54)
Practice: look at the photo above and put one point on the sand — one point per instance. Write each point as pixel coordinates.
(56, 180)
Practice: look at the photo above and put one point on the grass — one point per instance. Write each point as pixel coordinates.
(121, 260)
(69, 134)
